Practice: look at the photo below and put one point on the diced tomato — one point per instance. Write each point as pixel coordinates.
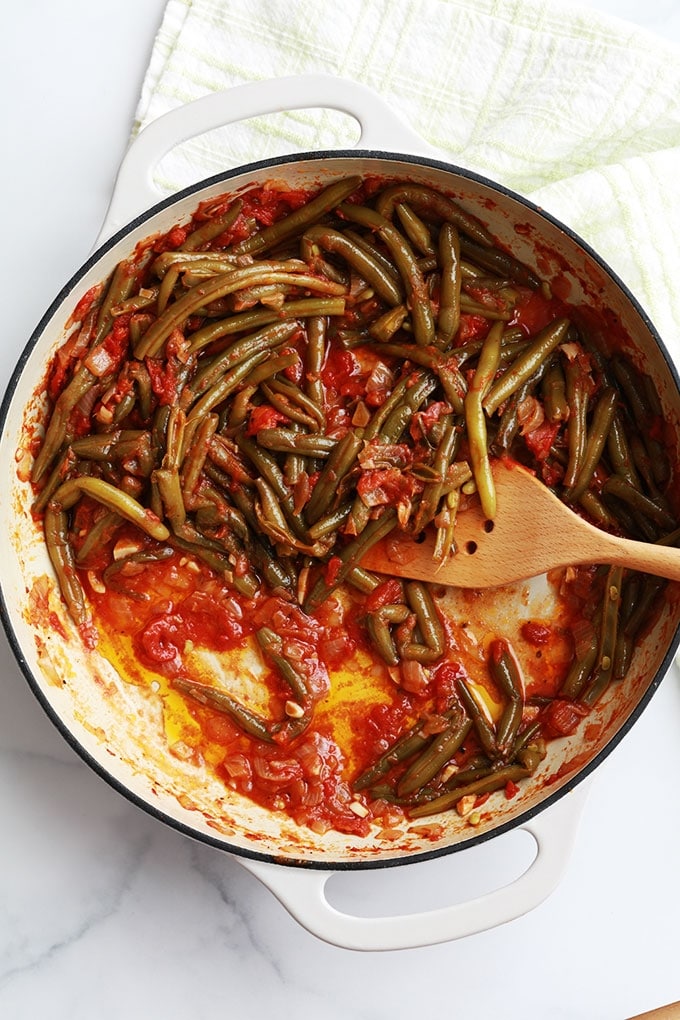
(511, 789)
(264, 416)
(332, 570)
(535, 311)
(174, 239)
(342, 374)
(85, 303)
(540, 440)
(385, 487)
(536, 634)
(164, 377)
(472, 327)
(388, 593)
(560, 718)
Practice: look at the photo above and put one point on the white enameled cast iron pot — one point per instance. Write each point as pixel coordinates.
(117, 728)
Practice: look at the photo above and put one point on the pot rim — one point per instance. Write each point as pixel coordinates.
(53, 714)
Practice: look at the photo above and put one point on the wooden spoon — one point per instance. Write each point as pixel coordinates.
(533, 532)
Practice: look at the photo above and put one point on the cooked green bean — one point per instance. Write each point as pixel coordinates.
(241, 418)
(246, 719)
(378, 625)
(60, 551)
(429, 202)
(296, 222)
(505, 672)
(69, 493)
(526, 364)
(623, 490)
(271, 644)
(448, 318)
(555, 395)
(358, 258)
(417, 297)
(476, 421)
(496, 780)
(351, 556)
(436, 755)
(483, 727)
(603, 415)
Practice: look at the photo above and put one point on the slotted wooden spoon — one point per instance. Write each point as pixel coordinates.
(532, 532)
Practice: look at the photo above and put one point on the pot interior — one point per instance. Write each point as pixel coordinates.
(118, 727)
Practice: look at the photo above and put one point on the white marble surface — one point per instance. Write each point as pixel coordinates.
(104, 913)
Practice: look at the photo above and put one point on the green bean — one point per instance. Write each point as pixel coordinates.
(417, 297)
(417, 232)
(446, 451)
(436, 755)
(56, 432)
(404, 747)
(509, 424)
(526, 364)
(390, 322)
(62, 559)
(315, 356)
(608, 634)
(555, 395)
(272, 645)
(476, 767)
(340, 462)
(622, 489)
(505, 672)
(483, 728)
(244, 718)
(577, 392)
(304, 308)
(213, 227)
(445, 543)
(476, 421)
(196, 457)
(378, 625)
(363, 580)
(496, 780)
(226, 283)
(112, 498)
(429, 202)
(581, 668)
(620, 454)
(498, 262)
(298, 221)
(103, 529)
(402, 412)
(431, 628)
(120, 286)
(261, 342)
(350, 557)
(651, 588)
(448, 319)
(369, 270)
(282, 440)
(637, 396)
(170, 491)
(293, 395)
(596, 439)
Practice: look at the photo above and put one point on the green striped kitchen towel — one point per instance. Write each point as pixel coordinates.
(577, 111)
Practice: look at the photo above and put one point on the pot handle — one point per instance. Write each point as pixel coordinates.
(302, 893)
(134, 189)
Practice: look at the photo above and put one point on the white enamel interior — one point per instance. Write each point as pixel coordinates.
(118, 727)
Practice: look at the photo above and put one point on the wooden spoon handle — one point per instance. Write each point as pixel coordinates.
(664, 561)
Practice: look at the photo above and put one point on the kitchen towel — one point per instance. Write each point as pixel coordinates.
(577, 111)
